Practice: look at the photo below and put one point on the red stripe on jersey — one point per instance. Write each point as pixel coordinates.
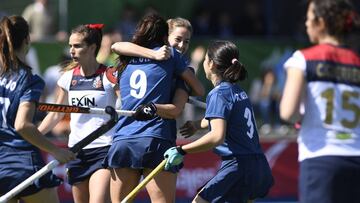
(101, 69)
(77, 71)
(327, 52)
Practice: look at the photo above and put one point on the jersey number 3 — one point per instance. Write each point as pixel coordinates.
(250, 124)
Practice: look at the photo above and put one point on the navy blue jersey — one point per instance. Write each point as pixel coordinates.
(16, 87)
(229, 102)
(143, 81)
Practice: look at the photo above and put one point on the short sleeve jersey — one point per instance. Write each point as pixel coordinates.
(331, 123)
(15, 88)
(143, 81)
(229, 102)
(91, 91)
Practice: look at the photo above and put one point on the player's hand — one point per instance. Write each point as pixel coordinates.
(163, 53)
(173, 157)
(145, 112)
(188, 129)
(63, 155)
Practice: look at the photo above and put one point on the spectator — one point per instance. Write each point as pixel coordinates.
(127, 23)
(40, 19)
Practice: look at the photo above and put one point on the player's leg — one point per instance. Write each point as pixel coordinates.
(162, 187)
(122, 181)
(43, 196)
(80, 191)
(99, 186)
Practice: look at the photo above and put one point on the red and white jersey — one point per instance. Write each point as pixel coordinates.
(331, 123)
(92, 91)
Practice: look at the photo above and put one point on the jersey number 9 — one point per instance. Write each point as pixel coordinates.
(138, 83)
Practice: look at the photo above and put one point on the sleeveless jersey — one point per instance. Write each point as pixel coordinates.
(16, 87)
(229, 102)
(144, 81)
(331, 123)
(91, 91)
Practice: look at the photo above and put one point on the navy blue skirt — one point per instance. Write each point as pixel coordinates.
(86, 163)
(16, 165)
(139, 153)
(239, 179)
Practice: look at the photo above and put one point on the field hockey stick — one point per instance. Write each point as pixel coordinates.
(197, 103)
(76, 148)
(78, 109)
(145, 181)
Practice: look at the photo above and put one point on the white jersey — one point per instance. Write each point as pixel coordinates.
(331, 123)
(93, 91)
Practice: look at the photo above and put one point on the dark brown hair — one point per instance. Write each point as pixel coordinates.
(13, 31)
(151, 30)
(225, 56)
(340, 16)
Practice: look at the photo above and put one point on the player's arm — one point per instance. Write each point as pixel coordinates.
(293, 92)
(213, 138)
(190, 78)
(53, 118)
(131, 49)
(24, 126)
(173, 110)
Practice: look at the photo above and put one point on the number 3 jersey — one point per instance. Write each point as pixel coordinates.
(331, 123)
(229, 102)
(90, 91)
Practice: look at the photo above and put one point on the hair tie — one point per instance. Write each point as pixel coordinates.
(95, 26)
(350, 20)
(233, 60)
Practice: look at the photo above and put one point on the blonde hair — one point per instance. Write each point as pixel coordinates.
(179, 22)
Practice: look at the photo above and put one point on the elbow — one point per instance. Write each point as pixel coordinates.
(198, 91)
(218, 140)
(21, 127)
(115, 47)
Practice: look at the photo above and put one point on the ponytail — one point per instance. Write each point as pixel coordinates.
(224, 54)
(13, 31)
(235, 72)
(7, 54)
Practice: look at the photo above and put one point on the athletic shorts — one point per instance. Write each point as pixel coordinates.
(330, 179)
(16, 165)
(239, 179)
(86, 163)
(139, 153)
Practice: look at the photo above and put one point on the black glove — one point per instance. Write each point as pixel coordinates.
(145, 112)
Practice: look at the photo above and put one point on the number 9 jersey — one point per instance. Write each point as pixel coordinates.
(331, 123)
